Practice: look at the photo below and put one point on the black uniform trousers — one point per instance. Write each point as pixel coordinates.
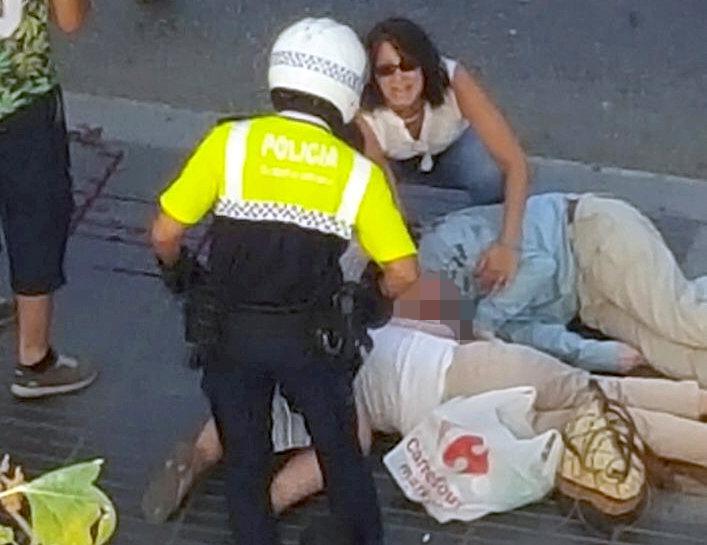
(257, 352)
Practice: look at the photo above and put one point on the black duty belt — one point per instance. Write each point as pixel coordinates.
(571, 210)
(259, 308)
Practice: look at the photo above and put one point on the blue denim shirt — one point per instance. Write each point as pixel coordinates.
(535, 308)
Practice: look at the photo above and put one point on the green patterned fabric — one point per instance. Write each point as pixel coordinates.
(26, 69)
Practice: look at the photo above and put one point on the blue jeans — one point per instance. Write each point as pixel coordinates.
(466, 166)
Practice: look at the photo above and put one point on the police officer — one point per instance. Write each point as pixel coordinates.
(287, 195)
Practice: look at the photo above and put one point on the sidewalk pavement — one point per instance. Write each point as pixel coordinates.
(116, 312)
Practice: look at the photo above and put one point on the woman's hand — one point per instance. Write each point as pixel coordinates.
(497, 267)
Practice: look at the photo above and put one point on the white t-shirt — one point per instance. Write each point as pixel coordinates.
(400, 382)
(441, 126)
(402, 379)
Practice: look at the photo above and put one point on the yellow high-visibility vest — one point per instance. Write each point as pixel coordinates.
(279, 169)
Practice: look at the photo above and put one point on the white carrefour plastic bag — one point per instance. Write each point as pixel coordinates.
(477, 455)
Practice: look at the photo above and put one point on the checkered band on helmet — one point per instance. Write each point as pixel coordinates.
(285, 213)
(326, 67)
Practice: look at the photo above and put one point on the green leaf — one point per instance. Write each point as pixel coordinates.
(107, 522)
(67, 509)
(7, 535)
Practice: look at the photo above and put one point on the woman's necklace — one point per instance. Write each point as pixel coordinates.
(413, 121)
(413, 117)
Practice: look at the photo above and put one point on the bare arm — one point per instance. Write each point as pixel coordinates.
(374, 151)
(166, 238)
(399, 275)
(497, 135)
(69, 15)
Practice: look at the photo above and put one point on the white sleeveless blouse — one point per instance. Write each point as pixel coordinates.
(441, 126)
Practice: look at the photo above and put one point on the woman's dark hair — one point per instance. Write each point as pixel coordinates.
(413, 43)
(287, 99)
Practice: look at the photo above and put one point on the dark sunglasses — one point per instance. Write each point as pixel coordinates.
(405, 65)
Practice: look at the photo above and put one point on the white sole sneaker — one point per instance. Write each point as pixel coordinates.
(33, 392)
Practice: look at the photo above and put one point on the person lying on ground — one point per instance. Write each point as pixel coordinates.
(581, 255)
(414, 367)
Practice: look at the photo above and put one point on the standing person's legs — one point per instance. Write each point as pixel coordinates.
(241, 407)
(34, 318)
(240, 390)
(622, 258)
(36, 213)
(321, 387)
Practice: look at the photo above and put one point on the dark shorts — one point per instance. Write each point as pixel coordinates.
(36, 201)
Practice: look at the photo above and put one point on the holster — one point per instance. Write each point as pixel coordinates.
(183, 274)
(375, 308)
(341, 331)
(203, 318)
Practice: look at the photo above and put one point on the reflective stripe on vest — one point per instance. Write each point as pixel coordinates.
(232, 203)
(354, 191)
(236, 148)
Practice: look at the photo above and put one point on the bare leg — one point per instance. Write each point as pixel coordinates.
(207, 449)
(34, 316)
(301, 476)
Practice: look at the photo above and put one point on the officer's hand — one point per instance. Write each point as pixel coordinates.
(183, 274)
(375, 308)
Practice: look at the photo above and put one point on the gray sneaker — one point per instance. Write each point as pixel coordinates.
(62, 376)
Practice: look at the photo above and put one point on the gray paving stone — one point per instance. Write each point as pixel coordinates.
(144, 171)
(696, 260)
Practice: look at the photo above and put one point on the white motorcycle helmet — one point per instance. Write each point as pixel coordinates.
(322, 58)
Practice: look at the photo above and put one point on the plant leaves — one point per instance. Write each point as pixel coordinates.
(67, 509)
(7, 535)
(107, 522)
(13, 503)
